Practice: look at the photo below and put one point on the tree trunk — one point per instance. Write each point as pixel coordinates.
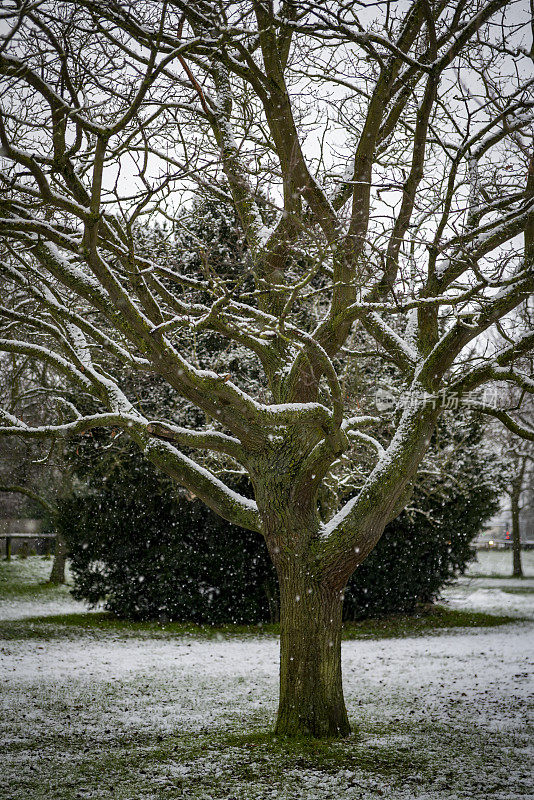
(516, 535)
(311, 690)
(57, 574)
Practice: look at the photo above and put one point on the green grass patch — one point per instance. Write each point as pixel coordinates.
(98, 624)
(28, 578)
(499, 577)
(430, 619)
(101, 623)
(216, 764)
(358, 752)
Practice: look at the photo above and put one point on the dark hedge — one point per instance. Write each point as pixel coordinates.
(153, 554)
(418, 555)
(150, 552)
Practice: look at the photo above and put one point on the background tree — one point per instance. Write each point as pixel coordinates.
(392, 148)
(517, 458)
(517, 488)
(30, 471)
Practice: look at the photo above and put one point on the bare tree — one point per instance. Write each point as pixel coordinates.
(57, 573)
(517, 458)
(516, 490)
(33, 469)
(378, 159)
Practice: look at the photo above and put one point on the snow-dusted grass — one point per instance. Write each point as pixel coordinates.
(25, 591)
(498, 563)
(492, 596)
(24, 575)
(488, 586)
(441, 717)
(92, 708)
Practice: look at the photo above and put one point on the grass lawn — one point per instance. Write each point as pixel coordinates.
(28, 577)
(93, 707)
(26, 580)
(498, 564)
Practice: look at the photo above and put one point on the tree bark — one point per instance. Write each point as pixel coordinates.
(57, 575)
(517, 571)
(311, 691)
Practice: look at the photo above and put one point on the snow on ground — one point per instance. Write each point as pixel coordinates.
(12, 609)
(489, 587)
(37, 599)
(509, 597)
(101, 714)
(499, 562)
(452, 708)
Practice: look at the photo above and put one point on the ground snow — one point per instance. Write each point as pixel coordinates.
(481, 590)
(461, 690)
(499, 563)
(452, 683)
(492, 600)
(101, 714)
(12, 609)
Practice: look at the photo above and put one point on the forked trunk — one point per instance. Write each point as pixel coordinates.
(311, 690)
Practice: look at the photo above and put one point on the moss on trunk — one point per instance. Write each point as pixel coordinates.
(311, 691)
